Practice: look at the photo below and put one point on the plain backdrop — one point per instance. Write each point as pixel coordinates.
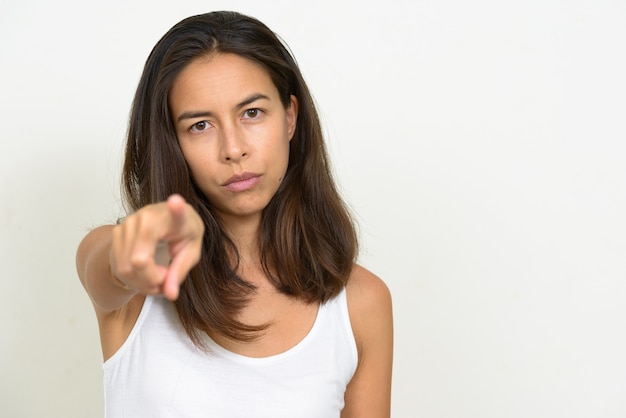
(481, 145)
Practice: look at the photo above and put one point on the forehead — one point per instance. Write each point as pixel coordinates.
(222, 76)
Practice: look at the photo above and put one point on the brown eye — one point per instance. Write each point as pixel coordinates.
(200, 126)
(252, 113)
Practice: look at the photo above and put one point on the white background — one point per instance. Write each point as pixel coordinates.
(480, 143)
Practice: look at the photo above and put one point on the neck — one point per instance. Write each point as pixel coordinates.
(244, 231)
(245, 235)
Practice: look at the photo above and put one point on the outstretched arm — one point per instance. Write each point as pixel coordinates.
(115, 262)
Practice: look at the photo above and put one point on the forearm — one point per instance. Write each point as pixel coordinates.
(107, 293)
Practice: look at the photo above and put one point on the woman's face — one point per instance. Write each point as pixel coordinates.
(234, 132)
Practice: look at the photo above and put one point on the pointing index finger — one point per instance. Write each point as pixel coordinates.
(176, 206)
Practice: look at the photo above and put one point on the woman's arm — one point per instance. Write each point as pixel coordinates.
(107, 293)
(369, 392)
(115, 262)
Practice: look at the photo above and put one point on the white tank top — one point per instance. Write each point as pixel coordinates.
(158, 372)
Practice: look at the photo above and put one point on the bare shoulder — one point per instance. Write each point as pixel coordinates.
(369, 304)
(367, 292)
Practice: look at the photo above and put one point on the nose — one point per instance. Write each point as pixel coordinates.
(233, 144)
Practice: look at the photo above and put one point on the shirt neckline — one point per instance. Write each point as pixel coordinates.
(220, 350)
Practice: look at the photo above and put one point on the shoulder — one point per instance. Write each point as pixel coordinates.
(370, 307)
(366, 291)
(369, 304)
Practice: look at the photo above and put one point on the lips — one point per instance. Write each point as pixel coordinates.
(242, 182)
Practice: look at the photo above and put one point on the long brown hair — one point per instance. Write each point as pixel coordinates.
(307, 239)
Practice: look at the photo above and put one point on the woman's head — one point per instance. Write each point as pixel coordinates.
(154, 166)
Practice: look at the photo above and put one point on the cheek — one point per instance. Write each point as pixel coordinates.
(196, 153)
(198, 165)
(284, 167)
(282, 158)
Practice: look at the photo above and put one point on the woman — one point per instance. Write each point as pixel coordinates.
(235, 220)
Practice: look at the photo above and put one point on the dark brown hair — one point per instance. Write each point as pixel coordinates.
(307, 239)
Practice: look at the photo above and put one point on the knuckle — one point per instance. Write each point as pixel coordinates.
(139, 261)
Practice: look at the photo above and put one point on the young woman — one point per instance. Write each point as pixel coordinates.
(231, 289)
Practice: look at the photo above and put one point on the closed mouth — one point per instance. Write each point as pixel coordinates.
(240, 177)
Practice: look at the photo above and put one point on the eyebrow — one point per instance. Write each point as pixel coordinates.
(198, 114)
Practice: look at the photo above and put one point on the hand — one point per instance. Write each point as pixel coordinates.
(135, 241)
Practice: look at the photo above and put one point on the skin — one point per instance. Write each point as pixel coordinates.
(229, 120)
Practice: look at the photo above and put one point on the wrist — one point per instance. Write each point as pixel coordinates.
(120, 283)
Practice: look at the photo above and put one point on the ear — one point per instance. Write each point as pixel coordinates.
(292, 116)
